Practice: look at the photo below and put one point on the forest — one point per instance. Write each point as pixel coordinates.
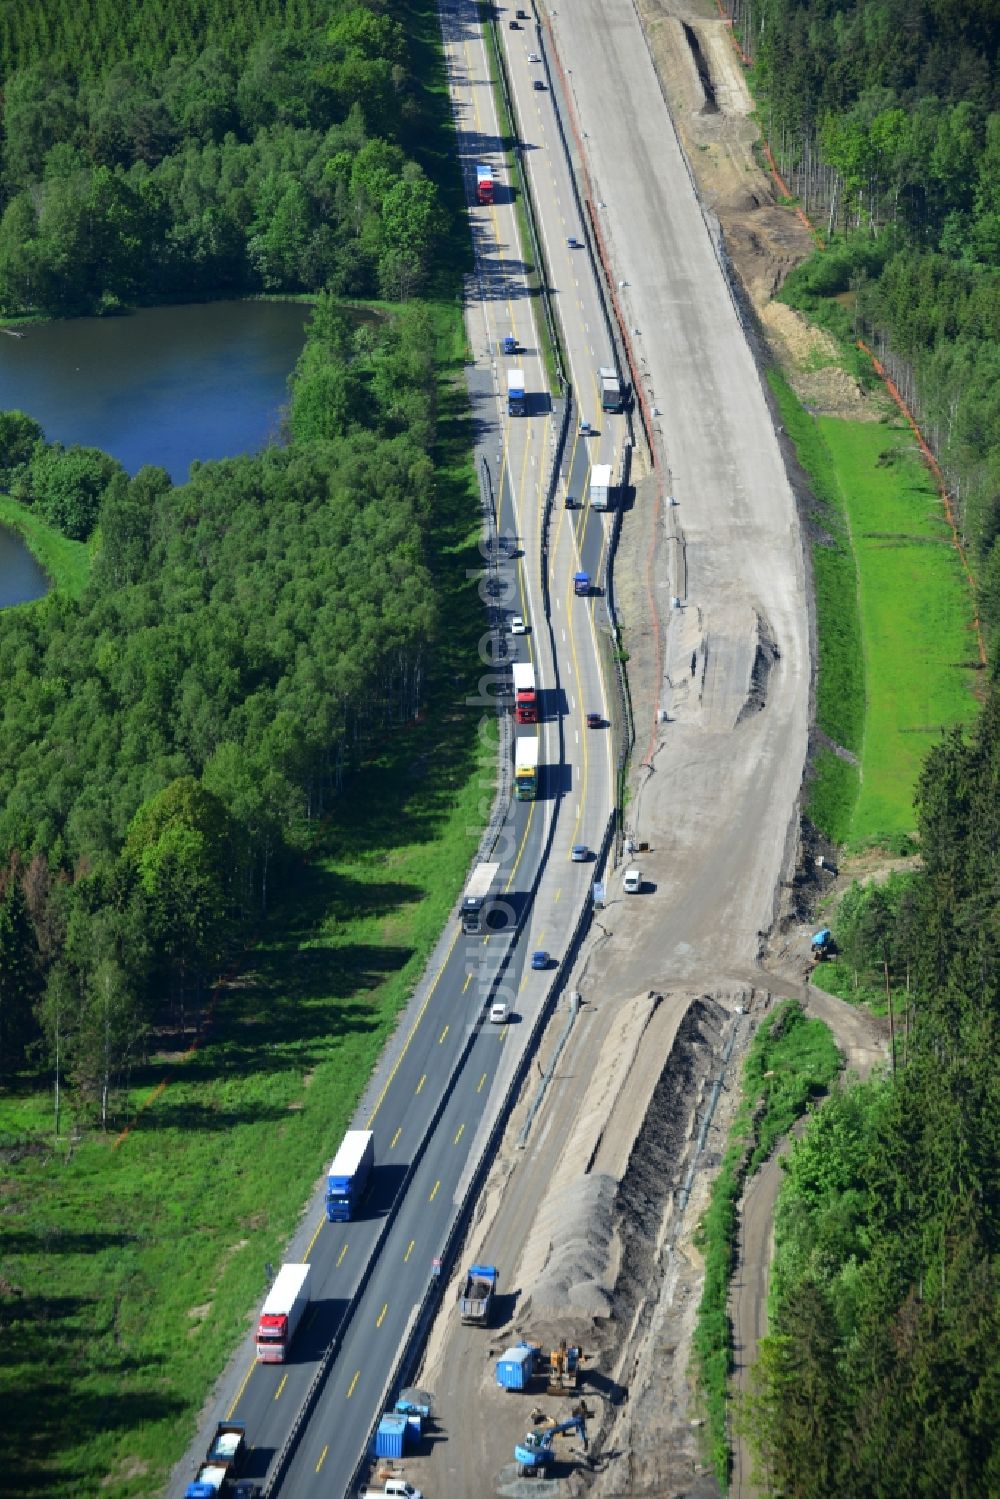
(159, 151)
(881, 1370)
(170, 740)
(167, 740)
(885, 118)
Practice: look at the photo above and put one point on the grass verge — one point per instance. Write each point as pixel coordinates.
(896, 661)
(916, 616)
(791, 1062)
(66, 562)
(128, 1274)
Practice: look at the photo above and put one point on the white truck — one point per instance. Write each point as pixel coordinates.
(600, 486)
(611, 389)
(517, 403)
(282, 1312)
(478, 893)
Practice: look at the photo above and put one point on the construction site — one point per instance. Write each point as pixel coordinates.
(590, 1214)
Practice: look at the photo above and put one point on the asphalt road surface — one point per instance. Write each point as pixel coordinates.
(453, 1068)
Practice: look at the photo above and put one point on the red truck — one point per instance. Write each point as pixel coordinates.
(484, 184)
(281, 1313)
(525, 697)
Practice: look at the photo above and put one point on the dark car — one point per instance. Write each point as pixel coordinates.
(540, 959)
(515, 25)
(539, 85)
(522, 15)
(594, 721)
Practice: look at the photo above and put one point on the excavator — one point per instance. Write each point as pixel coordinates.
(535, 1453)
(564, 1369)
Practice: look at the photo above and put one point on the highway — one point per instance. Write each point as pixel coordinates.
(453, 1070)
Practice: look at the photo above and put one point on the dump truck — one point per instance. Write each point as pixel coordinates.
(516, 400)
(476, 1300)
(477, 897)
(210, 1481)
(611, 389)
(348, 1175)
(281, 1313)
(601, 490)
(525, 697)
(226, 1452)
(484, 184)
(526, 768)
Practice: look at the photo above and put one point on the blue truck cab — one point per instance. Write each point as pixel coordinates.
(581, 584)
(509, 343)
(348, 1175)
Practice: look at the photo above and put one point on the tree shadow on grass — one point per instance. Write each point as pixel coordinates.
(47, 1417)
(54, 1241)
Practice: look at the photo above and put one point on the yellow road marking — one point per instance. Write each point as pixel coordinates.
(421, 1082)
(284, 1381)
(420, 1015)
(381, 1316)
(442, 1035)
(354, 1381)
(468, 981)
(409, 1250)
(395, 1137)
(481, 1082)
(434, 1191)
(315, 1236)
(340, 1257)
(239, 1392)
(461, 1132)
(322, 1458)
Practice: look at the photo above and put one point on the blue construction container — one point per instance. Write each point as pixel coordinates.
(516, 1366)
(390, 1438)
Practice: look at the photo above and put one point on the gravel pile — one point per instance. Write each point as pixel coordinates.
(577, 1222)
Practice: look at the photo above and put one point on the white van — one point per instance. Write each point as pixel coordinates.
(398, 1488)
(633, 881)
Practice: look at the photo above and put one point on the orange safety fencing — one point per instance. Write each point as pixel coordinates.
(782, 186)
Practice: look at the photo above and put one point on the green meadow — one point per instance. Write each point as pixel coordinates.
(897, 652)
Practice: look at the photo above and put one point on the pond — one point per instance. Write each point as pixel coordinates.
(165, 385)
(21, 578)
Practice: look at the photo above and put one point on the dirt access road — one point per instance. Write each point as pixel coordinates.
(590, 1208)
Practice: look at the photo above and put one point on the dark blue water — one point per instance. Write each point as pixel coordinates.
(166, 385)
(21, 578)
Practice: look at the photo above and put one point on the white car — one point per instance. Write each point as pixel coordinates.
(533, 57)
(517, 625)
(498, 1013)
